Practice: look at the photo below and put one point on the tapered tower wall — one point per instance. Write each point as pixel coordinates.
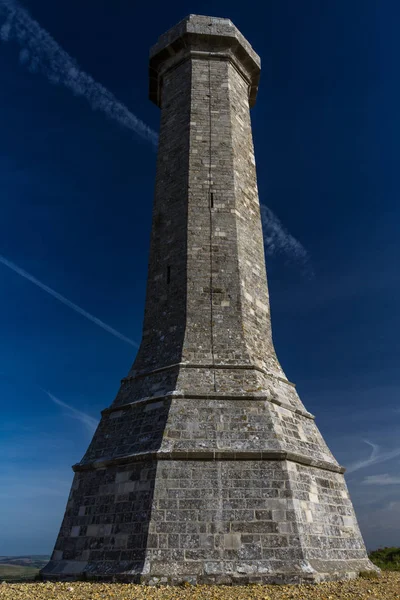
(207, 466)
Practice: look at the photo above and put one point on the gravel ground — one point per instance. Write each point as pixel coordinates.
(386, 587)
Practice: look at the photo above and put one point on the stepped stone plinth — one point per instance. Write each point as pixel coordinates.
(207, 467)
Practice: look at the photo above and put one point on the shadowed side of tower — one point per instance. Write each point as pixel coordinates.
(207, 466)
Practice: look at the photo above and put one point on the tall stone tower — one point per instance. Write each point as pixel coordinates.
(207, 466)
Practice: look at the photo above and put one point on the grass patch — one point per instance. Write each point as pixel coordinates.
(369, 574)
(17, 573)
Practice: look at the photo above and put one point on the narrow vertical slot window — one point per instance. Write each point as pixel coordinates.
(212, 199)
(168, 274)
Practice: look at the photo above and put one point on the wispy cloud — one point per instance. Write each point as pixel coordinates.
(89, 422)
(65, 301)
(40, 53)
(384, 479)
(278, 240)
(376, 456)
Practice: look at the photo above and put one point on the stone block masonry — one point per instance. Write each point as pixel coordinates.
(207, 467)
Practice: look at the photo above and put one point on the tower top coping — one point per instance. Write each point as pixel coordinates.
(210, 36)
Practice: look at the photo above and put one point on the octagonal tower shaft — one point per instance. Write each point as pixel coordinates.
(207, 467)
(207, 305)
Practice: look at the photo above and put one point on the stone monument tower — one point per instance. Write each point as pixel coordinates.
(207, 467)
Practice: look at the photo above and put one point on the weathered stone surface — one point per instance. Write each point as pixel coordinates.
(207, 467)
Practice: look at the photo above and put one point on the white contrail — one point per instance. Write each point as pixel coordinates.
(384, 479)
(376, 457)
(277, 240)
(65, 301)
(89, 422)
(41, 53)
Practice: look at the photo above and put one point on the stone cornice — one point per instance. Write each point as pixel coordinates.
(183, 365)
(211, 396)
(210, 455)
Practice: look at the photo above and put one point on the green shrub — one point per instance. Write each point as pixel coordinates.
(387, 559)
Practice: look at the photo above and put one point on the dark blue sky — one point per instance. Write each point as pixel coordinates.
(76, 197)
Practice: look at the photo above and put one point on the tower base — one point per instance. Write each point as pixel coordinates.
(233, 520)
(304, 573)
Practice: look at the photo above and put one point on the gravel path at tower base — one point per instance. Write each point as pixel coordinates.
(387, 586)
